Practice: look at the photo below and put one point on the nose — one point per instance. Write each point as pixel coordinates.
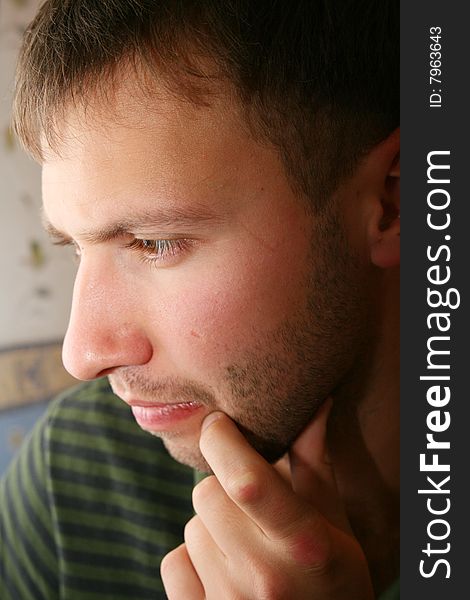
(106, 329)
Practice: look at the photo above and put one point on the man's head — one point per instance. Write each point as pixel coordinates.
(211, 163)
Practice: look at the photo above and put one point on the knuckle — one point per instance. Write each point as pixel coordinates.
(270, 584)
(192, 530)
(196, 536)
(171, 562)
(326, 570)
(246, 487)
(310, 548)
(166, 566)
(170, 569)
(205, 491)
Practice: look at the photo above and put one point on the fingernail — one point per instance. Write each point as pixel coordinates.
(213, 416)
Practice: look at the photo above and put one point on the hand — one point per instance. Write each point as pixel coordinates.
(255, 537)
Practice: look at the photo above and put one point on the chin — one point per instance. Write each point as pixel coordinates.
(186, 454)
(189, 454)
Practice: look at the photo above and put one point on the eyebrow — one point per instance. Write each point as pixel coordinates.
(146, 222)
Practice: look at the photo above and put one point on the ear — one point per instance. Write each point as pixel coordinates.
(384, 226)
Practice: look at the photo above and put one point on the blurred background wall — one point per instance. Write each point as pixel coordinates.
(35, 277)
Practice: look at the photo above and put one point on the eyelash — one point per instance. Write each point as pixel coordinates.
(152, 251)
(66, 243)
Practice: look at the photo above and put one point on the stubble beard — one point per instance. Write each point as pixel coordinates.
(274, 391)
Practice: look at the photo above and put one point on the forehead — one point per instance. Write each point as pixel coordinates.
(131, 125)
(140, 146)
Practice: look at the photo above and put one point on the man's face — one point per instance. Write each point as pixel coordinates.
(203, 283)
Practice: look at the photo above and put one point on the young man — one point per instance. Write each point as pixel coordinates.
(228, 174)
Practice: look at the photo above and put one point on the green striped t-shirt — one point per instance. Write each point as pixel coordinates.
(91, 505)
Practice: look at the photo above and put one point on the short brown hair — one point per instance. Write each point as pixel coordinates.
(319, 79)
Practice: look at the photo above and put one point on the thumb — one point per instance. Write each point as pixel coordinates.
(312, 473)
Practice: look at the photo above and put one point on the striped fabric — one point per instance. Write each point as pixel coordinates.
(91, 505)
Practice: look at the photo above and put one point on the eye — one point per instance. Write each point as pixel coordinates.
(155, 251)
(70, 244)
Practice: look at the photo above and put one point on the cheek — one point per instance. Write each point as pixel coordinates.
(213, 318)
(204, 323)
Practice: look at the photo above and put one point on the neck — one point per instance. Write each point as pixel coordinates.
(364, 442)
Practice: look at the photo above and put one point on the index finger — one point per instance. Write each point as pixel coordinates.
(253, 484)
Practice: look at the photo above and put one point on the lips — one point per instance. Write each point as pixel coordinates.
(157, 416)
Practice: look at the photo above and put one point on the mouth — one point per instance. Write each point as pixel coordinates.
(162, 416)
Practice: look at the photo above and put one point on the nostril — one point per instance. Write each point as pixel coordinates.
(105, 372)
